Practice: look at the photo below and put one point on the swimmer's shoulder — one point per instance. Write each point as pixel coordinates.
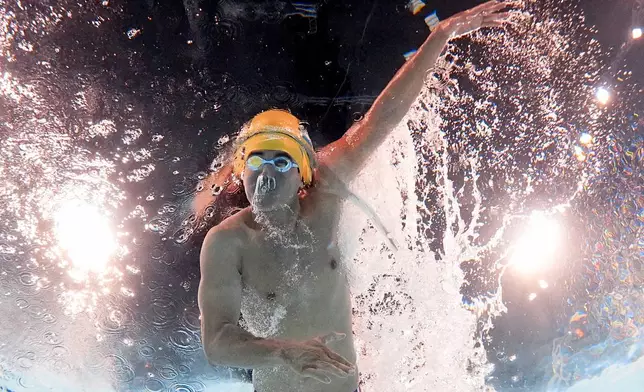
(232, 230)
(225, 243)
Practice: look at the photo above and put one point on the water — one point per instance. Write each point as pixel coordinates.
(515, 197)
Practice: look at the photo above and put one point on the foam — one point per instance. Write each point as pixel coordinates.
(412, 332)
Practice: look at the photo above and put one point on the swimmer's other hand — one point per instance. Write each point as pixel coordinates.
(484, 15)
(312, 358)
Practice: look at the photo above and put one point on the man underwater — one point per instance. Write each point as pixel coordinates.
(277, 262)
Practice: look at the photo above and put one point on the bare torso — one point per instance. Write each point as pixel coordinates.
(294, 286)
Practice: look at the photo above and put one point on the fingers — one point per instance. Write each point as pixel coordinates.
(493, 24)
(343, 362)
(498, 16)
(334, 369)
(492, 7)
(321, 368)
(498, 20)
(489, 7)
(316, 374)
(332, 337)
(501, 17)
(328, 362)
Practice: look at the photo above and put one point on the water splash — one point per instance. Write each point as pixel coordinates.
(513, 111)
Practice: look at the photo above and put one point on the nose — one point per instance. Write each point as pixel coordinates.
(268, 169)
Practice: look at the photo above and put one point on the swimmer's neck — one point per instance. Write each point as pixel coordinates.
(284, 217)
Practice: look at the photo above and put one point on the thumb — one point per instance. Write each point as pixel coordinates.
(333, 337)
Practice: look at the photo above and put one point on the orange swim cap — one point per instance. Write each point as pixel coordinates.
(276, 130)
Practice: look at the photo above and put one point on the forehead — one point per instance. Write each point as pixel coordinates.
(268, 154)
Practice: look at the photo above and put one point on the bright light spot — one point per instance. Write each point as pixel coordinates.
(637, 33)
(603, 95)
(536, 248)
(85, 235)
(580, 154)
(532, 296)
(76, 302)
(415, 6)
(131, 33)
(127, 292)
(585, 139)
(543, 284)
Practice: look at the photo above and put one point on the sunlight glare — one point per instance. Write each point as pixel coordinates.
(85, 235)
(603, 95)
(536, 247)
(586, 139)
(637, 33)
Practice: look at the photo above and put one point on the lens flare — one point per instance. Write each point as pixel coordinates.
(603, 95)
(586, 139)
(85, 236)
(579, 153)
(536, 248)
(637, 33)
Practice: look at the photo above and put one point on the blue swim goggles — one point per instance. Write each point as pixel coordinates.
(281, 164)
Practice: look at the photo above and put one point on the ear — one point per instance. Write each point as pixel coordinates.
(302, 193)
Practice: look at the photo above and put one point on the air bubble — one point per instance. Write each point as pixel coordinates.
(26, 360)
(27, 279)
(168, 373)
(181, 388)
(146, 351)
(154, 386)
(184, 340)
(52, 338)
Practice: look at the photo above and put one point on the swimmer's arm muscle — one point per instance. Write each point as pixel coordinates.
(219, 297)
(348, 154)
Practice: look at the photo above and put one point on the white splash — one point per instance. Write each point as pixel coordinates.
(412, 332)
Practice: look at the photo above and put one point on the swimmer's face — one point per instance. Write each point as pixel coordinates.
(267, 188)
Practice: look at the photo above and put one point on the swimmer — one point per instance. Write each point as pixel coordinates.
(277, 262)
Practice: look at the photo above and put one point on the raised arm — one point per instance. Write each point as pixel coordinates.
(219, 297)
(347, 156)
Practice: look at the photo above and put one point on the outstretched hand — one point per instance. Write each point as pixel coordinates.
(312, 358)
(485, 15)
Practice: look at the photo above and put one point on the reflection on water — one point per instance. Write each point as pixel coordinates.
(85, 236)
(515, 185)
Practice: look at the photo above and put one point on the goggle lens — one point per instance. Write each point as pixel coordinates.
(254, 162)
(282, 164)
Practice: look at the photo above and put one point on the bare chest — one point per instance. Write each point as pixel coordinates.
(290, 279)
